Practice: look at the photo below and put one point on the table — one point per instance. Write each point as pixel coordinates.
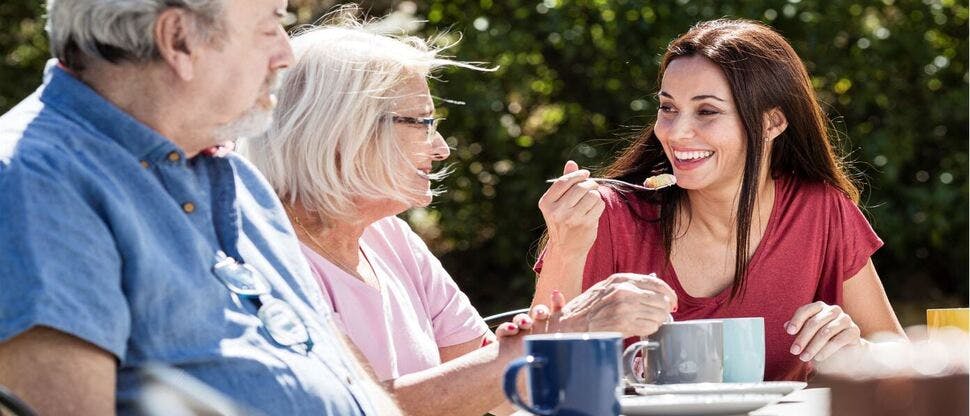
(806, 402)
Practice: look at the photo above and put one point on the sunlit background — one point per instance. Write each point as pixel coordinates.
(576, 80)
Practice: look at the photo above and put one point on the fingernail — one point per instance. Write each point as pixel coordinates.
(795, 349)
(790, 327)
(804, 357)
(510, 327)
(541, 312)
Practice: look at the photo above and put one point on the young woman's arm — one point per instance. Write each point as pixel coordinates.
(571, 208)
(824, 329)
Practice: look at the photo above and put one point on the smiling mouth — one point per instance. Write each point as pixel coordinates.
(693, 156)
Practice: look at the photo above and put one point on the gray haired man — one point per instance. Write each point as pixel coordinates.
(128, 239)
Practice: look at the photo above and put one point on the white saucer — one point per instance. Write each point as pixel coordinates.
(695, 404)
(764, 387)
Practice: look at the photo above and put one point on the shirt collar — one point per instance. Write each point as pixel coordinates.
(78, 101)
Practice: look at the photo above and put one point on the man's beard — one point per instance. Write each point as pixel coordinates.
(257, 119)
(253, 123)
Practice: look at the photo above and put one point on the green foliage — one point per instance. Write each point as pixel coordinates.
(576, 79)
(23, 50)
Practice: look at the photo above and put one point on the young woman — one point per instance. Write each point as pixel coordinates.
(764, 218)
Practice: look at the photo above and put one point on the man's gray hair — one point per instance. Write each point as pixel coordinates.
(119, 30)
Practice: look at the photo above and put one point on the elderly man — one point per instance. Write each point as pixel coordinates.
(126, 239)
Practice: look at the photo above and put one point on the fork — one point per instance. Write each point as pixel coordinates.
(618, 182)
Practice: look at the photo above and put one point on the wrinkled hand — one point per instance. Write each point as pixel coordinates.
(632, 304)
(821, 330)
(571, 208)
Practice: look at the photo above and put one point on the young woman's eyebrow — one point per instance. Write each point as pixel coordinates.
(695, 98)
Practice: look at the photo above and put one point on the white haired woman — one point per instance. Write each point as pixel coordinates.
(353, 145)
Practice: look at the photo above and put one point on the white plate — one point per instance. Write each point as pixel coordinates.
(695, 404)
(765, 387)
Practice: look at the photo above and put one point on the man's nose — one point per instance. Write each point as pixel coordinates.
(284, 57)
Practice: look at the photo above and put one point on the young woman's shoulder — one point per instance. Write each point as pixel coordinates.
(812, 192)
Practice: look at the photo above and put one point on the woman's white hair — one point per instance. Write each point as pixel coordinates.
(332, 140)
(119, 30)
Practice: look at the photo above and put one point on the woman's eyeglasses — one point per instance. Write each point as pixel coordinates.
(430, 122)
(281, 321)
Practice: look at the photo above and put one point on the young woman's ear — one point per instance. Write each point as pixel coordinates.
(775, 123)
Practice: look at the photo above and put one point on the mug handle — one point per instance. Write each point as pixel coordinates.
(628, 356)
(511, 390)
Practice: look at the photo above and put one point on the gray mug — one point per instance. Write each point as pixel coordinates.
(680, 352)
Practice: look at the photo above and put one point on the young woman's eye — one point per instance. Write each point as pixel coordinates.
(707, 112)
(664, 108)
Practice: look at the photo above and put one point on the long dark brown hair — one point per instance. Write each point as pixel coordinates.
(764, 73)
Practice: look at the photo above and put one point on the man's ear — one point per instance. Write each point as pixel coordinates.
(176, 41)
(775, 123)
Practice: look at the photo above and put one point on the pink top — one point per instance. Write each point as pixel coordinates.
(418, 308)
(816, 239)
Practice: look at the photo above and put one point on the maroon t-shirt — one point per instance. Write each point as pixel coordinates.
(816, 239)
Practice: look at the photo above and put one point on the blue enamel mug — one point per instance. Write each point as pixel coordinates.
(569, 374)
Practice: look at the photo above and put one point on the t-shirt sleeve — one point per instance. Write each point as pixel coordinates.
(852, 239)
(453, 318)
(60, 266)
(599, 259)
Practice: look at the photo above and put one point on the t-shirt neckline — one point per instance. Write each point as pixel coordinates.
(368, 253)
(781, 185)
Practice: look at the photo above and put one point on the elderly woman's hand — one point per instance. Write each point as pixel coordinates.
(821, 330)
(632, 304)
(523, 323)
(571, 208)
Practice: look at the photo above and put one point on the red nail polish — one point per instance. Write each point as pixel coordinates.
(510, 327)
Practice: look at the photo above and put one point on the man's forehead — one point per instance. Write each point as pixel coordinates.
(259, 9)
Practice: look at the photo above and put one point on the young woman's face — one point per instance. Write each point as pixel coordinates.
(699, 126)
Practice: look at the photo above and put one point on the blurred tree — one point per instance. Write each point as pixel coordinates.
(23, 50)
(576, 79)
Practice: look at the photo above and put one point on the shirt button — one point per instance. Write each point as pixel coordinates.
(144, 164)
(174, 156)
(188, 207)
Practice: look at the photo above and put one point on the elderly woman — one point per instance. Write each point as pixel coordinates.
(353, 144)
(764, 218)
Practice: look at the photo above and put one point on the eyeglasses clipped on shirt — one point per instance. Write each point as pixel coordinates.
(279, 319)
(430, 122)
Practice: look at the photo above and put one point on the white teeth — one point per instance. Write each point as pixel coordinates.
(693, 155)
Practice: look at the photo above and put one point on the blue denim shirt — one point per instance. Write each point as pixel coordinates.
(108, 233)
